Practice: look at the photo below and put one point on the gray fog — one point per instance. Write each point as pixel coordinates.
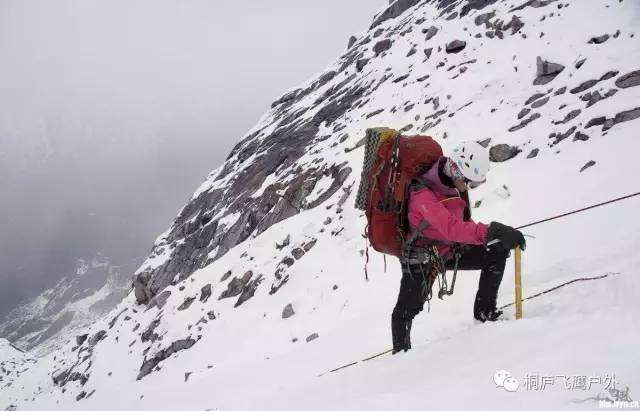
(113, 111)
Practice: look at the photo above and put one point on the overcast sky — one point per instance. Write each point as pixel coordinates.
(113, 111)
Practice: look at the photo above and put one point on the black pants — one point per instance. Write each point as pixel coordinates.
(491, 262)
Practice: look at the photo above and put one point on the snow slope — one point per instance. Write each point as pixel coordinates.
(190, 349)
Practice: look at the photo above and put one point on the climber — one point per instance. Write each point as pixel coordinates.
(439, 217)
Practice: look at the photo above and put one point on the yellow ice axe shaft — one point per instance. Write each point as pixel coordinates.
(518, 258)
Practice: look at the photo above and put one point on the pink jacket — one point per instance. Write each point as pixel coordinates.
(443, 209)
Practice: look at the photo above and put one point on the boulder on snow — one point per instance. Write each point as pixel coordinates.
(80, 339)
(287, 311)
(590, 163)
(312, 337)
(598, 39)
(546, 71)
(455, 46)
(205, 293)
(502, 152)
(382, 46)
(430, 32)
(186, 303)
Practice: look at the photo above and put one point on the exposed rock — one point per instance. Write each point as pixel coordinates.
(532, 3)
(233, 289)
(546, 71)
(623, 116)
(580, 136)
(597, 121)
(395, 9)
(430, 32)
(186, 303)
(502, 152)
(570, 116)
(412, 52)
(533, 98)
(485, 143)
(580, 62)
(598, 39)
(558, 137)
(455, 46)
(361, 63)
(523, 112)
(375, 113)
(382, 46)
(205, 293)
(226, 276)
(609, 74)
(248, 291)
(149, 334)
(629, 80)
(148, 365)
(484, 18)
(297, 253)
(352, 41)
(282, 245)
(80, 339)
(583, 86)
(540, 103)
(533, 153)
(401, 78)
(312, 337)
(114, 319)
(590, 163)
(97, 337)
(160, 300)
(559, 91)
(378, 33)
(474, 5)
(308, 246)
(525, 122)
(211, 315)
(427, 52)
(288, 311)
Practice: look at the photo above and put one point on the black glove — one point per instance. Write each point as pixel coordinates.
(509, 237)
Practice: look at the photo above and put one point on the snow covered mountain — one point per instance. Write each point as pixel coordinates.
(76, 301)
(257, 289)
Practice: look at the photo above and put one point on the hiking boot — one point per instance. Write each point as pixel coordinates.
(401, 335)
(484, 310)
(488, 315)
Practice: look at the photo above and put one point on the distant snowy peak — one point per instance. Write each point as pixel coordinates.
(93, 288)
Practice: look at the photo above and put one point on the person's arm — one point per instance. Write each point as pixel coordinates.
(450, 227)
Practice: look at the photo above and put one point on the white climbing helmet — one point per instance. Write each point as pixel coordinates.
(472, 159)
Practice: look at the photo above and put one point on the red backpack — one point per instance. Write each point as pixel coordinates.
(391, 162)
